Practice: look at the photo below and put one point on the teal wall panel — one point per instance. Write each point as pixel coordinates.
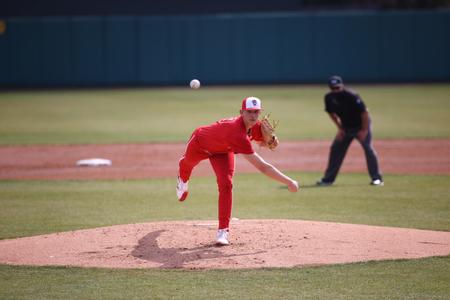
(226, 49)
(239, 53)
(25, 37)
(5, 56)
(263, 43)
(153, 51)
(446, 46)
(193, 54)
(396, 47)
(215, 50)
(361, 44)
(56, 52)
(121, 56)
(250, 49)
(431, 51)
(177, 49)
(88, 50)
(296, 49)
(328, 44)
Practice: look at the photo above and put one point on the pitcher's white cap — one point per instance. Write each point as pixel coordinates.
(251, 103)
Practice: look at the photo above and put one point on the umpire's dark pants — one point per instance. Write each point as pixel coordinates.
(339, 149)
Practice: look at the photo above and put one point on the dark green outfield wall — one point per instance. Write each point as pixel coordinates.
(222, 49)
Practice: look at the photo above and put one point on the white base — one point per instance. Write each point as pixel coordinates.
(94, 162)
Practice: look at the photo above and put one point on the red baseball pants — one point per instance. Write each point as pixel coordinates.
(223, 165)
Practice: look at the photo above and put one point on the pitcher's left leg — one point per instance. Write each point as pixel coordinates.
(223, 165)
(191, 157)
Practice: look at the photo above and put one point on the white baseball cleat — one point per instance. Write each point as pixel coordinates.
(182, 189)
(222, 237)
(377, 182)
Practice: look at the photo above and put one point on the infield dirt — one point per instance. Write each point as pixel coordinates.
(161, 160)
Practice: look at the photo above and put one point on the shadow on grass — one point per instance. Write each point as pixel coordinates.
(309, 186)
(333, 186)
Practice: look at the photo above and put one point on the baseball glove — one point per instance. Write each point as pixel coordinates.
(268, 132)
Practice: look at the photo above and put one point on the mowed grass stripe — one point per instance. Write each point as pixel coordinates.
(170, 114)
(38, 207)
(413, 279)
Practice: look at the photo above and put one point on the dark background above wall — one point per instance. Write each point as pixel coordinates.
(28, 8)
(143, 7)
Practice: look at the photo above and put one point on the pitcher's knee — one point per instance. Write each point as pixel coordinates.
(225, 187)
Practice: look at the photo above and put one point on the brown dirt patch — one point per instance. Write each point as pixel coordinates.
(160, 160)
(254, 244)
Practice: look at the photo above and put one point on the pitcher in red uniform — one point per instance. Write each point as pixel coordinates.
(219, 142)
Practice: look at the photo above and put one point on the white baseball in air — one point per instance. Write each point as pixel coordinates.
(195, 84)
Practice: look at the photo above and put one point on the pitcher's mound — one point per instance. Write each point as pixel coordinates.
(254, 244)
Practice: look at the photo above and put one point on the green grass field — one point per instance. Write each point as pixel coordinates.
(37, 207)
(170, 114)
(414, 279)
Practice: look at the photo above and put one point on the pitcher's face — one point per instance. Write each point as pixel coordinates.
(250, 117)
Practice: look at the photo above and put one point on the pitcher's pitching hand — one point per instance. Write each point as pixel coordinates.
(293, 186)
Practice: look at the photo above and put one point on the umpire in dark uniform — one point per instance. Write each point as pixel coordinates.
(349, 113)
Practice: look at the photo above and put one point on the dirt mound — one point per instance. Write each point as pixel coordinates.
(254, 244)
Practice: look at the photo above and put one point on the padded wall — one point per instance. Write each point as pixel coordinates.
(222, 49)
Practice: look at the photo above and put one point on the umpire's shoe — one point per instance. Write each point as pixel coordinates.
(377, 182)
(323, 183)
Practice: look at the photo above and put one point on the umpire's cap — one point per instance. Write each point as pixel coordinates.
(335, 81)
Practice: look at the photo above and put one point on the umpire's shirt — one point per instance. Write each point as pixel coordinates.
(348, 106)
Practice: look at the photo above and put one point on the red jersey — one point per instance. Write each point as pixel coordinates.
(228, 135)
